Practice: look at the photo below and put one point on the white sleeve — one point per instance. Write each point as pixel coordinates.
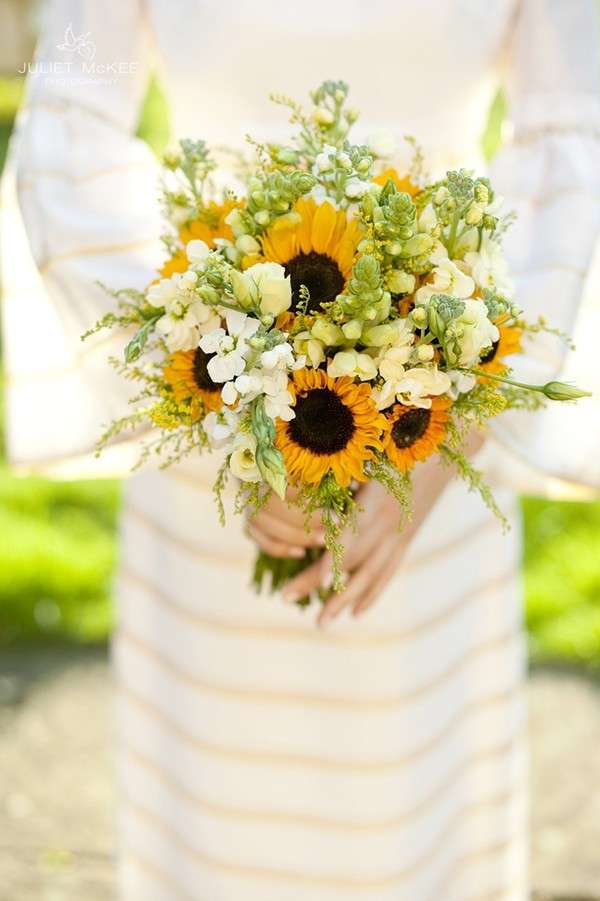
(79, 207)
(549, 172)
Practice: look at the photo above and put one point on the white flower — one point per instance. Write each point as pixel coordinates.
(427, 220)
(220, 428)
(197, 252)
(243, 458)
(323, 161)
(447, 279)
(279, 357)
(392, 362)
(355, 188)
(352, 363)
(382, 144)
(425, 353)
(161, 292)
(310, 347)
(417, 385)
(489, 267)
(230, 346)
(461, 383)
(475, 332)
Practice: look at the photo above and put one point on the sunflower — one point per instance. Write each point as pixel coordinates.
(177, 263)
(211, 225)
(403, 183)
(415, 433)
(336, 428)
(188, 376)
(508, 343)
(317, 251)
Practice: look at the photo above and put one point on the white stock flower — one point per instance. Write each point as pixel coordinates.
(279, 357)
(312, 348)
(417, 385)
(475, 332)
(197, 252)
(352, 363)
(323, 161)
(220, 428)
(229, 346)
(355, 188)
(427, 220)
(461, 382)
(243, 458)
(447, 279)
(489, 267)
(185, 317)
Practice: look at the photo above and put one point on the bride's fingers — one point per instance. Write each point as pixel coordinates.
(287, 532)
(317, 575)
(271, 545)
(378, 585)
(359, 583)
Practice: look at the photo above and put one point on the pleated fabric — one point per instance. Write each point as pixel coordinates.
(262, 758)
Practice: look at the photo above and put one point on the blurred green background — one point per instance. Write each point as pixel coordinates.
(58, 547)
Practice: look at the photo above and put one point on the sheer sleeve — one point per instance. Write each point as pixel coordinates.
(79, 208)
(549, 172)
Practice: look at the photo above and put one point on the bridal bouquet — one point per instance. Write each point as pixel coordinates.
(332, 321)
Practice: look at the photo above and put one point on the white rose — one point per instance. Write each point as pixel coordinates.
(273, 286)
(243, 458)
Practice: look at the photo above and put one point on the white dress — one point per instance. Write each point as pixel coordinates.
(261, 759)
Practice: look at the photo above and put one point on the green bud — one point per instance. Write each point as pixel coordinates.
(563, 391)
(287, 156)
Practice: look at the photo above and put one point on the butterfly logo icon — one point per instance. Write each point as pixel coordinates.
(80, 44)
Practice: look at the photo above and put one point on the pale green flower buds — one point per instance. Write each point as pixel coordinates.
(263, 218)
(323, 116)
(467, 242)
(474, 214)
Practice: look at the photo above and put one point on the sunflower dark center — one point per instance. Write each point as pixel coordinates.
(201, 376)
(323, 424)
(410, 427)
(319, 273)
(489, 356)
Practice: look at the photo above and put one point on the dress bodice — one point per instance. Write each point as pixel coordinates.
(220, 70)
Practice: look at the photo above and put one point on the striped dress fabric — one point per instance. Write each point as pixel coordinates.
(259, 758)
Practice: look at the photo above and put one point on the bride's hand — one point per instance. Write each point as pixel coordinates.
(374, 551)
(279, 530)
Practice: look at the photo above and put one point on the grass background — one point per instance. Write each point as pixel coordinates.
(58, 547)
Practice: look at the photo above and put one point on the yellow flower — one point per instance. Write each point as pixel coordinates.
(403, 183)
(177, 263)
(336, 428)
(212, 224)
(415, 433)
(188, 377)
(508, 343)
(317, 246)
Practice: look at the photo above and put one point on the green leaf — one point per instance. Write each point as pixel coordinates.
(138, 342)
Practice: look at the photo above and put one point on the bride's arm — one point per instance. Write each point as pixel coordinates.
(80, 207)
(549, 172)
